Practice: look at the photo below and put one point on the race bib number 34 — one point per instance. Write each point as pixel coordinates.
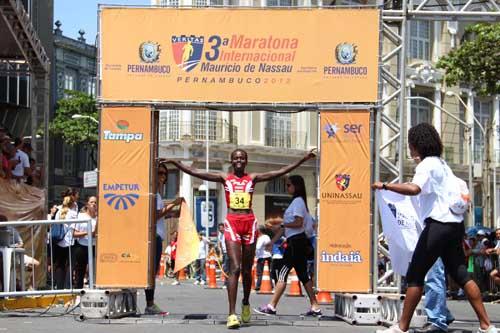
(239, 200)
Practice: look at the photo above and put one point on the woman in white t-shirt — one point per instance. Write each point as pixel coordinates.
(297, 250)
(61, 249)
(263, 253)
(443, 232)
(81, 250)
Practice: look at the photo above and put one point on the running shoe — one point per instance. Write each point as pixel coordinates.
(154, 310)
(196, 282)
(176, 283)
(246, 314)
(491, 329)
(233, 322)
(313, 313)
(266, 310)
(393, 329)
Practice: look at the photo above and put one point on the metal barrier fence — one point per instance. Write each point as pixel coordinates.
(482, 266)
(9, 254)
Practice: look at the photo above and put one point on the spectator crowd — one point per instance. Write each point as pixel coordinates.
(17, 162)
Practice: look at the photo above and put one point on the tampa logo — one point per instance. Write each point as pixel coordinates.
(342, 181)
(121, 201)
(122, 124)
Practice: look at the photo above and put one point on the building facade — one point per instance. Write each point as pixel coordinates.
(277, 135)
(74, 68)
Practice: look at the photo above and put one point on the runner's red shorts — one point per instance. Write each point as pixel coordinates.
(240, 228)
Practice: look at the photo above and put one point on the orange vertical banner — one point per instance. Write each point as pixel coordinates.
(188, 242)
(124, 197)
(343, 254)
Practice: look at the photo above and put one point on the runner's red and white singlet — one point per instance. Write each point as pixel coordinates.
(240, 228)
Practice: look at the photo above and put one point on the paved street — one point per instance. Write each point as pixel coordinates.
(196, 309)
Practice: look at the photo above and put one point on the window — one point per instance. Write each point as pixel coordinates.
(420, 110)
(482, 112)
(420, 36)
(200, 3)
(68, 160)
(280, 3)
(276, 186)
(278, 129)
(170, 3)
(200, 125)
(169, 125)
(91, 87)
(69, 80)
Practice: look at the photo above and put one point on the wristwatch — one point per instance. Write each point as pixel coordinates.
(384, 186)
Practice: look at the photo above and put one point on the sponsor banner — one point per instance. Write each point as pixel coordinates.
(246, 55)
(124, 197)
(343, 252)
(188, 243)
(401, 226)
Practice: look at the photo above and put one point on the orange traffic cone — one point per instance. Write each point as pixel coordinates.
(266, 286)
(182, 274)
(324, 297)
(212, 281)
(295, 289)
(161, 269)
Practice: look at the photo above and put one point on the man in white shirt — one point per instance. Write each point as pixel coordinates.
(263, 253)
(22, 168)
(221, 244)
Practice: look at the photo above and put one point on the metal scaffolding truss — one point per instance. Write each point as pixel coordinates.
(390, 116)
(21, 32)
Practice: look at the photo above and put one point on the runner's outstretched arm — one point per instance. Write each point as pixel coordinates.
(262, 177)
(210, 176)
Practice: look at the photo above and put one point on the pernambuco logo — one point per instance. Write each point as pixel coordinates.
(149, 52)
(346, 53)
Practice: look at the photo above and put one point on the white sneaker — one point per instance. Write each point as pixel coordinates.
(175, 283)
(202, 282)
(196, 282)
(491, 329)
(393, 329)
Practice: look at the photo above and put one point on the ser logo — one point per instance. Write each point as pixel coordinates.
(332, 129)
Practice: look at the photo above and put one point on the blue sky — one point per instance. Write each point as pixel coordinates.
(82, 14)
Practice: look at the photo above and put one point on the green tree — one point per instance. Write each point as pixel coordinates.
(76, 131)
(477, 61)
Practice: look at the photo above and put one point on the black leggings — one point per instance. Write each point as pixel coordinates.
(295, 257)
(442, 240)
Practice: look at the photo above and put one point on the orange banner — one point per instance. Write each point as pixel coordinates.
(239, 55)
(188, 242)
(125, 199)
(343, 252)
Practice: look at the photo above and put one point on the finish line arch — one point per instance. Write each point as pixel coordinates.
(238, 60)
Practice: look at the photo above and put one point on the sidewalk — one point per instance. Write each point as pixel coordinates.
(193, 308)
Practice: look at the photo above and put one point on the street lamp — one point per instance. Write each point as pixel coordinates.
(486, 186)
(80, 116)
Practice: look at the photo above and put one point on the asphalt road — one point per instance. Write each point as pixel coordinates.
(196, 309)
